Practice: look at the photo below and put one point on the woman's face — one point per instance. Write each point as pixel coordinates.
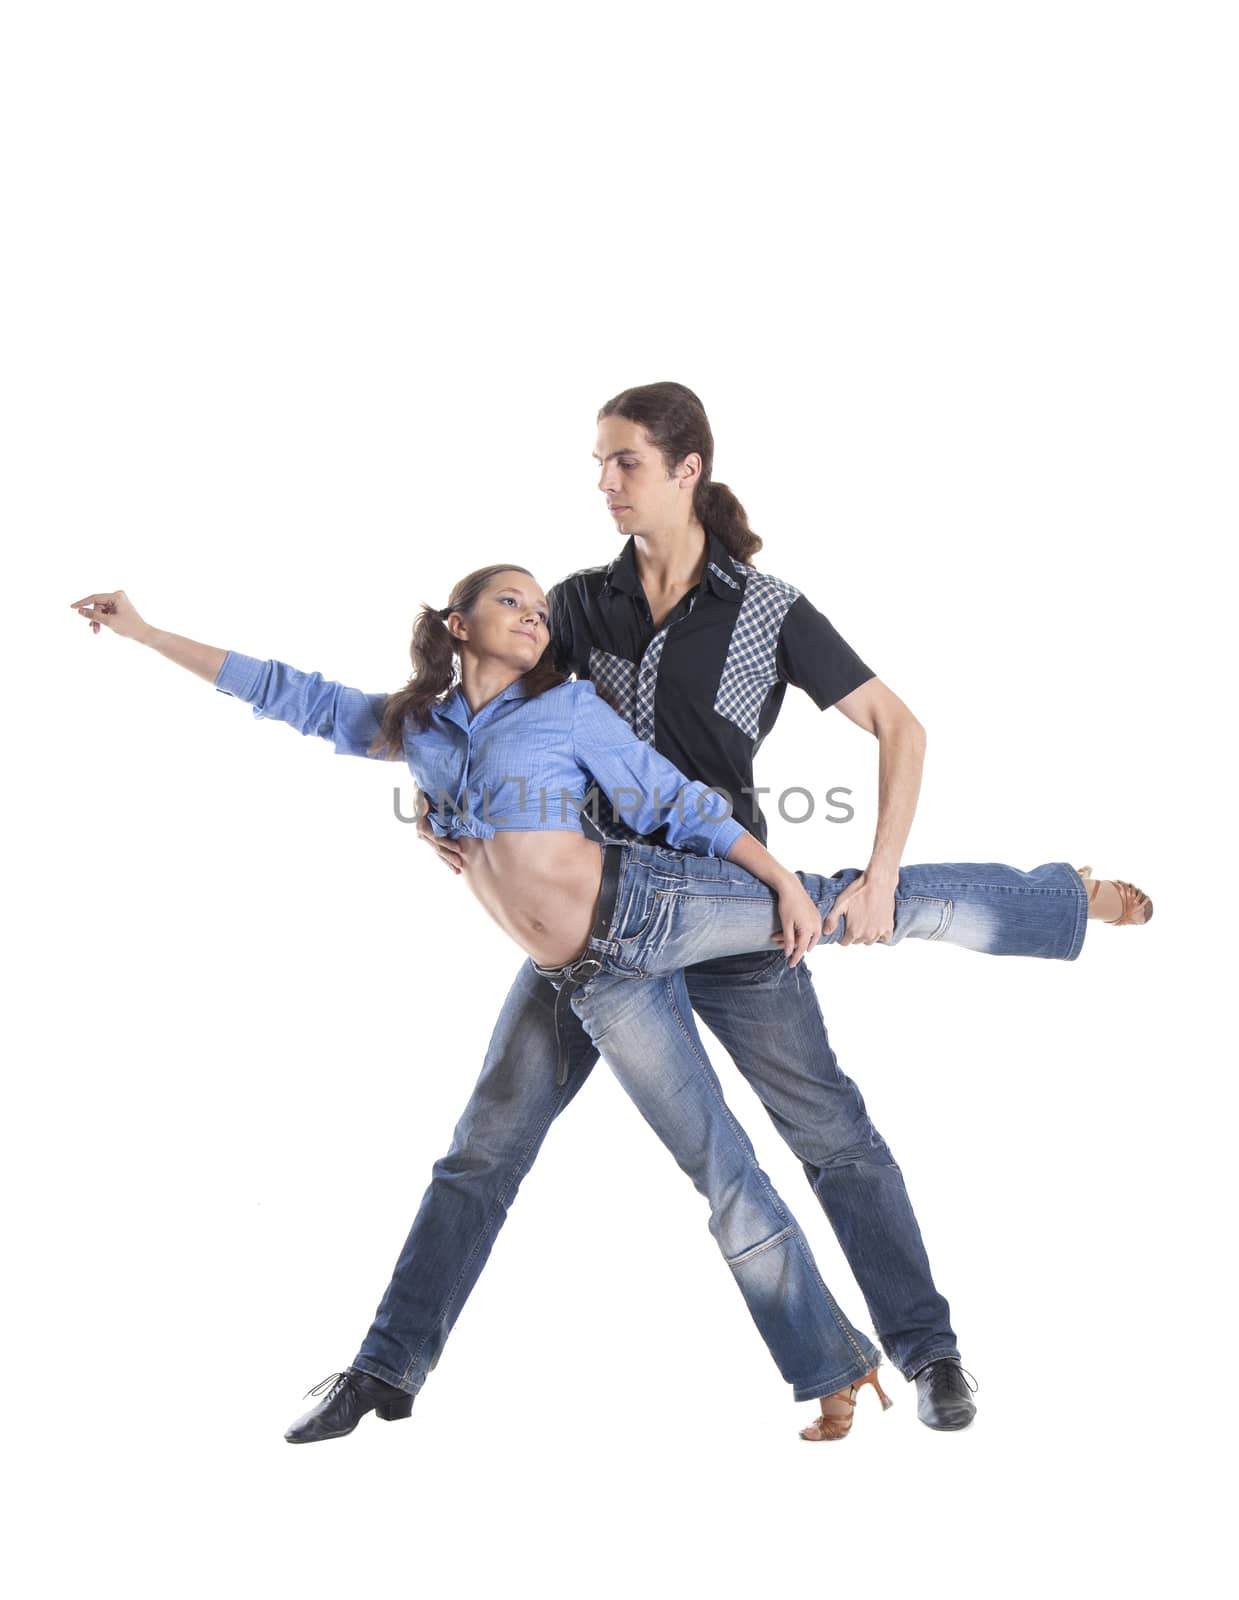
(509, 625)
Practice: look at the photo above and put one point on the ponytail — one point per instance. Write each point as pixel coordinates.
(718, 510)
(433, 654)
(434, 651)
(676, 422)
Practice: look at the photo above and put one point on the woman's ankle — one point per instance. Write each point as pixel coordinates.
(1104, 900)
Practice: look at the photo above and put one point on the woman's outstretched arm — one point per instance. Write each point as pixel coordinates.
(348, 718)
(117, 612)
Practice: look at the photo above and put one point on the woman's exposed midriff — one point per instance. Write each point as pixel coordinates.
(540, 887)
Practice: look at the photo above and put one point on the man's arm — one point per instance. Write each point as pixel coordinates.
(870, 901)
(814, 657)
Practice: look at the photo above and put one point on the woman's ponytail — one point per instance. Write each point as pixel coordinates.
(434, 652)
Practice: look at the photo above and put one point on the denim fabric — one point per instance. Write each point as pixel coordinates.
(673, 910)
(648, 1036)
(814, 1345)
(766, 1015)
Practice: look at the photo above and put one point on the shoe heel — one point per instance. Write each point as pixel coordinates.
(872, 1377)
(395, 1409)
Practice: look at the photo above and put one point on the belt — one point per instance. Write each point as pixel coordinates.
(585, 967)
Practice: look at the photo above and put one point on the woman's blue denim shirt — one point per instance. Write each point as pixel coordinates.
(520, 765)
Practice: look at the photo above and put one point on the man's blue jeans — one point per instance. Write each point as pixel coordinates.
(672, 910)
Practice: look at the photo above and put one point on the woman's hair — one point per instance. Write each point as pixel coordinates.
(434, 651)
(676, 422)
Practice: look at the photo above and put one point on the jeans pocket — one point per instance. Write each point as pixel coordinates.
(920, 917)
(634, 949)
(640, 916)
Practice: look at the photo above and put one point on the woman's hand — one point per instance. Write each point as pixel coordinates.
(800, 920)
(113, 611)
(448, 851)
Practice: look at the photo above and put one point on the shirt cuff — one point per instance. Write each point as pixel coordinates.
(241, 676)
(725, 835)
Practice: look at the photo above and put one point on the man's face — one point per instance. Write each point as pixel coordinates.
(641, 496)
(509, 621)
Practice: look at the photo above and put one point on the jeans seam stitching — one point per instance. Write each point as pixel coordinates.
(758, 1249)
(1081, 923)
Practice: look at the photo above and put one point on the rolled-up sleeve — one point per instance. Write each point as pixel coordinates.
(646, 789)
(347, 718)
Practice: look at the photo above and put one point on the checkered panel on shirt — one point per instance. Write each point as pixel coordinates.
(647, 684)
(750, 670)
(616, 682)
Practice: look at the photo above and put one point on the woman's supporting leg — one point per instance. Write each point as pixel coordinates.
(766, 1016)
(687, 909)
(645, 1030)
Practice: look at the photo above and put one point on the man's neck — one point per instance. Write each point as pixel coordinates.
(671, 561)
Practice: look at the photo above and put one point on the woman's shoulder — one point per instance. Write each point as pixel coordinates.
(569, 692)
(572, 706)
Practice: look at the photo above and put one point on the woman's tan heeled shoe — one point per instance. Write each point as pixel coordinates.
(835, 1421)
(1135, 907)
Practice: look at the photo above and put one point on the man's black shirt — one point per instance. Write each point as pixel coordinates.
(705, 687)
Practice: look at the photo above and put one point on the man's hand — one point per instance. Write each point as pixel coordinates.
(448, 851)
(870, 906)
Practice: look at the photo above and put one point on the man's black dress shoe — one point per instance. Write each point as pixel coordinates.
(943, 1400)
(350, 1396)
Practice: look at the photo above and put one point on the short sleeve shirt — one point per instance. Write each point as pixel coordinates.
(706, 686)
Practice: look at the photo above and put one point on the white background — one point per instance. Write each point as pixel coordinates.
(309, 310)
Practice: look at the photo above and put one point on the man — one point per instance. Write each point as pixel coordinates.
(695, 649)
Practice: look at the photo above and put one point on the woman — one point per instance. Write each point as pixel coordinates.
(506, 754)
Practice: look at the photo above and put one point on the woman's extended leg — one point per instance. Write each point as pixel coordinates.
(679, 910)
(645, 1030)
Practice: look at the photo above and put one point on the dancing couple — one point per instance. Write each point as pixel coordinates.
(585, 761)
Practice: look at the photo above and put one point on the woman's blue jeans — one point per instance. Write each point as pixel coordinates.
(767, 1017)
(674, 910)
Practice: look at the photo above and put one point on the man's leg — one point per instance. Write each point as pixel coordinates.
(765, 1014)
(496, 1142)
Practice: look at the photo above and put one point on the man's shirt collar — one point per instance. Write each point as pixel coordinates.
(719, 576)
